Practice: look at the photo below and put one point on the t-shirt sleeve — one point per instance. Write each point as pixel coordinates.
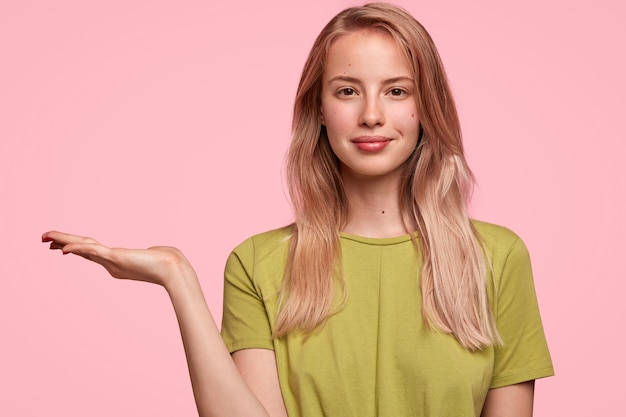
(245, 323)
(524, 355)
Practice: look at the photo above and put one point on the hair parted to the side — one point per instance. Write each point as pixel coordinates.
(436, 188)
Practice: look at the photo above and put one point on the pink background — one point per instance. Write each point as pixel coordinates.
(166, 122)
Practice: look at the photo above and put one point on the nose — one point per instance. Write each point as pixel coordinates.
(372, 114)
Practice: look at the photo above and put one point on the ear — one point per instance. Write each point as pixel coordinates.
(322, 121)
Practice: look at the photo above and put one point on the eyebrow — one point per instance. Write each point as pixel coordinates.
(356, 80)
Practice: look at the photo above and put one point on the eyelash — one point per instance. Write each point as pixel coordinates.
(394, 92)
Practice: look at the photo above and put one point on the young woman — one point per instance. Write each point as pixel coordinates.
(383, 298)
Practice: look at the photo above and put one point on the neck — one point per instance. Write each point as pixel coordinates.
(374, 207)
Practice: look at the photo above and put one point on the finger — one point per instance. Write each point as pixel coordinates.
(56, 245)
(46, 237)
(65, 238)
(92, 250)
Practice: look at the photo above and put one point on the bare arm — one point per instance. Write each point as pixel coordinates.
(510, 401)
(258, 368)
(219, 387)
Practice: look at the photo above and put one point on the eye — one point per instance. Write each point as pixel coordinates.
(397, 92)
(347, 91)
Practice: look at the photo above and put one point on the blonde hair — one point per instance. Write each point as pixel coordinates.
(435, 190)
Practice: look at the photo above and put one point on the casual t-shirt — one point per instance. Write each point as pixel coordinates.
(375, 356)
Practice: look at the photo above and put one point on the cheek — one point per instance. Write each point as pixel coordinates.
(407, 120)
(336, 120)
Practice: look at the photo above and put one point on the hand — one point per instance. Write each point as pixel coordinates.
(158, 264)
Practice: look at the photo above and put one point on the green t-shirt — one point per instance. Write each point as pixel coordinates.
(375, 357)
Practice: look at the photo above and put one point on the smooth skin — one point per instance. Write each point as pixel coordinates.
(367, 96)
(368, 93)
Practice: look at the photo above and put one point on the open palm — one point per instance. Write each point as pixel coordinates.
(157, 264)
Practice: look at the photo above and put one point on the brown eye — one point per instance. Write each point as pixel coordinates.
(397, 92)
(347, 91)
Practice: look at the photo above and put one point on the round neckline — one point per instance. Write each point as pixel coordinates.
(379, 241)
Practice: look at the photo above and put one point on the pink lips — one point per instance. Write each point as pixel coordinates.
(371, 143)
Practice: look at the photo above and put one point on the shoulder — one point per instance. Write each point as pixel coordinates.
(263, 249)
(502, 245)
(494, 234)
(509, 266)
(265, 242)
(496, 238)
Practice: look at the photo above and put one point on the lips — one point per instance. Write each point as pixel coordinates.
(371, 143)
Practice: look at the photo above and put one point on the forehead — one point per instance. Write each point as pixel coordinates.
(365, 53)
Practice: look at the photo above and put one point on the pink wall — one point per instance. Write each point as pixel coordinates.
(163, 122)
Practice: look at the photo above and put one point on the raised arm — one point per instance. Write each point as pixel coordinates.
(219, 387)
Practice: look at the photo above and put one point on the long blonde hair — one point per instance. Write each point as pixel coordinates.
(435, 190)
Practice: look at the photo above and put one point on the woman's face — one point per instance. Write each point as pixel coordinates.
(368, 104)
